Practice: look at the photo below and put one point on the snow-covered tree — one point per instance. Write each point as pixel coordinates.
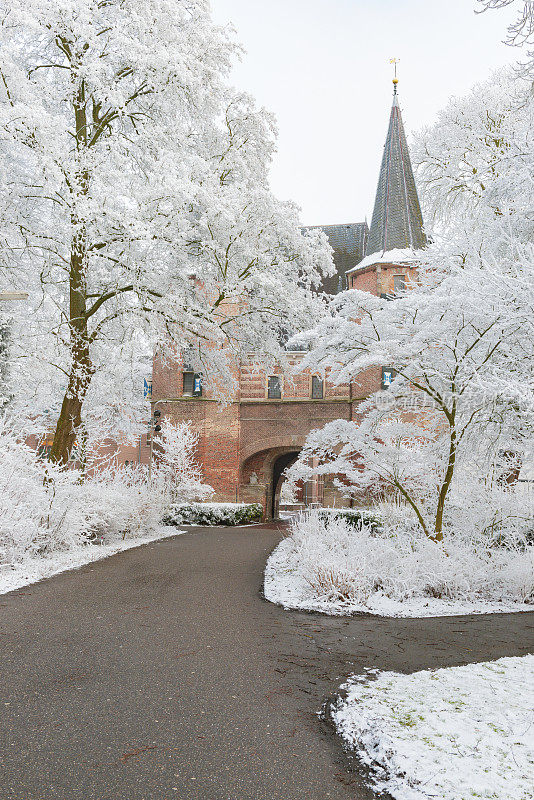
(521, 31)
(412, 438)
(460, 339)
(177, 466)
(475, 168)
(137, 208)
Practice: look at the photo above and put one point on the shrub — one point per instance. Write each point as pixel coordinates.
(213, 514)
(323, 564)
(176, 463)
(45, 510)
(356, 518)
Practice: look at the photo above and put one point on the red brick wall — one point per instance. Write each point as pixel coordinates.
(166, 377)
(136, 453)
(218, 436)
(367, 382)
(378, 279)
(253, 384)
(364, 281)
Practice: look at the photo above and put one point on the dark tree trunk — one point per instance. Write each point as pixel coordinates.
(64, 438)
(81, 370)
(449, 474)
(70, 417)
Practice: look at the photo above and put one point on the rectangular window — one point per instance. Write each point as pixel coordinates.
(192, 384)
(317, 388)
(189, 378)
(399, 283)
(387, 377)
(274, 387)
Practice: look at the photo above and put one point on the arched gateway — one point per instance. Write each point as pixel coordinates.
(262, 476)
(245, 447)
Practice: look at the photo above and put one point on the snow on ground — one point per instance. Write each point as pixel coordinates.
(35, 569)
(448, 734)
(334, 570)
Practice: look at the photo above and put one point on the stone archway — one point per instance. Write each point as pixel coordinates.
(261, 475)
(280, 464)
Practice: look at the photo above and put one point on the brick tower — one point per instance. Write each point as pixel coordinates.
(397, 223)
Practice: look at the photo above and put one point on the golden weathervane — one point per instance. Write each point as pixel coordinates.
(395, 61)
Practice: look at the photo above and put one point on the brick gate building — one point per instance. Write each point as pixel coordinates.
(245, 446)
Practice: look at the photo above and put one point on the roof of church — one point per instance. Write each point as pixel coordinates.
(397, 222)
(348, 243)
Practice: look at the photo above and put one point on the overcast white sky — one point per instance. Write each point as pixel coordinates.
(322, 66)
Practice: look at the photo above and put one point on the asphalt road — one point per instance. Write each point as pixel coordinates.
(161, 674)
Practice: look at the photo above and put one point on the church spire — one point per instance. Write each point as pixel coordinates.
(397, 221)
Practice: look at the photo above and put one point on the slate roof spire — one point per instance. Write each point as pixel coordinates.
(397, 221)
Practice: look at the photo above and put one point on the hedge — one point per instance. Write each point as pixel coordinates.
(213, 514)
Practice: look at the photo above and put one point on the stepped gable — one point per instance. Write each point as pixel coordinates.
(348, 243)
(397, 222)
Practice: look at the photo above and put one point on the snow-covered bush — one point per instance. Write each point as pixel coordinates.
(119, 501)
(327, 565)
(24, 498)
(213, 514)
(491, 515)
(45, 510)
(177, 466)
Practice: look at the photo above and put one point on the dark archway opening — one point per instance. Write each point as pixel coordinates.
(279, 467)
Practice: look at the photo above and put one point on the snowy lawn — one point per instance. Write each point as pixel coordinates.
(446, 734)
(332, 568)
(35, 568)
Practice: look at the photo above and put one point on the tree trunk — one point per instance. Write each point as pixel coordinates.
(64, 438)
(446, 485)
(70, 416)
(81, 370)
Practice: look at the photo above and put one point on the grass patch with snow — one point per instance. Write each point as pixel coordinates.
(327, 565)
(454, 734)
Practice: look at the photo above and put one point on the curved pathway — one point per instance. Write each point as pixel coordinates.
(160, 673)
